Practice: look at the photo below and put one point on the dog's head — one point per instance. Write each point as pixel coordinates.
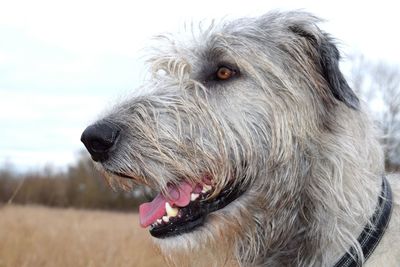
(226, 130)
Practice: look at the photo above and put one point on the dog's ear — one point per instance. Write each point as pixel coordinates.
(327, 58)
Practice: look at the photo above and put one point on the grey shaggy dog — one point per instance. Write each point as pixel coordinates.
(257, 114)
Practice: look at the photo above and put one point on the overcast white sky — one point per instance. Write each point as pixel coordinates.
(63, 62)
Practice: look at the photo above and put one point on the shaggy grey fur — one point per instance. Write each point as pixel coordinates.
(287, 126)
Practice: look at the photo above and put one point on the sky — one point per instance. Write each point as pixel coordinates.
(63, 62)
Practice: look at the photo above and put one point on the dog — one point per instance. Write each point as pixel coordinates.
(259, 151)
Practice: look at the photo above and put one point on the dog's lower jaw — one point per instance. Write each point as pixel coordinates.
(208, 245)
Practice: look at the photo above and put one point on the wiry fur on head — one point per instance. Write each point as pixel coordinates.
(287, 128)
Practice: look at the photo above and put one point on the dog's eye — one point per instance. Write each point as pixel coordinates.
(225, 73)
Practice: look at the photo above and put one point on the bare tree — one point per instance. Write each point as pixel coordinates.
(378, 83)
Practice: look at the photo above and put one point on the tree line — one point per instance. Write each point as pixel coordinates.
(80, 186)
(378, 84)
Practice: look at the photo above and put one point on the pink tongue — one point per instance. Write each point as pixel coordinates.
(151, 211)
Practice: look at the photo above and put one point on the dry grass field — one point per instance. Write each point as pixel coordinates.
(35, 236)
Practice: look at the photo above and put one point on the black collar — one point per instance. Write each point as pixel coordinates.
(372, 233)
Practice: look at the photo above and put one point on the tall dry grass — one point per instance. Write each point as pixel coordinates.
(35, 236)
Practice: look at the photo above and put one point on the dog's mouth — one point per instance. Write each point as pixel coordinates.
(184, 207)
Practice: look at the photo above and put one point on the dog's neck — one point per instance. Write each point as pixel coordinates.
(343, 181)
(354, 186)
(346, 198)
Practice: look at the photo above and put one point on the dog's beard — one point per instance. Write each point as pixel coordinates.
(213, 244)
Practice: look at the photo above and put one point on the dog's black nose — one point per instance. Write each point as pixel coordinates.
(99, 139)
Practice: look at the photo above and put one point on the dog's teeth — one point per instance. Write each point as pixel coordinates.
(194, 196)
(159, 221)
(165, 219)
(206, 188)
(171, 212)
